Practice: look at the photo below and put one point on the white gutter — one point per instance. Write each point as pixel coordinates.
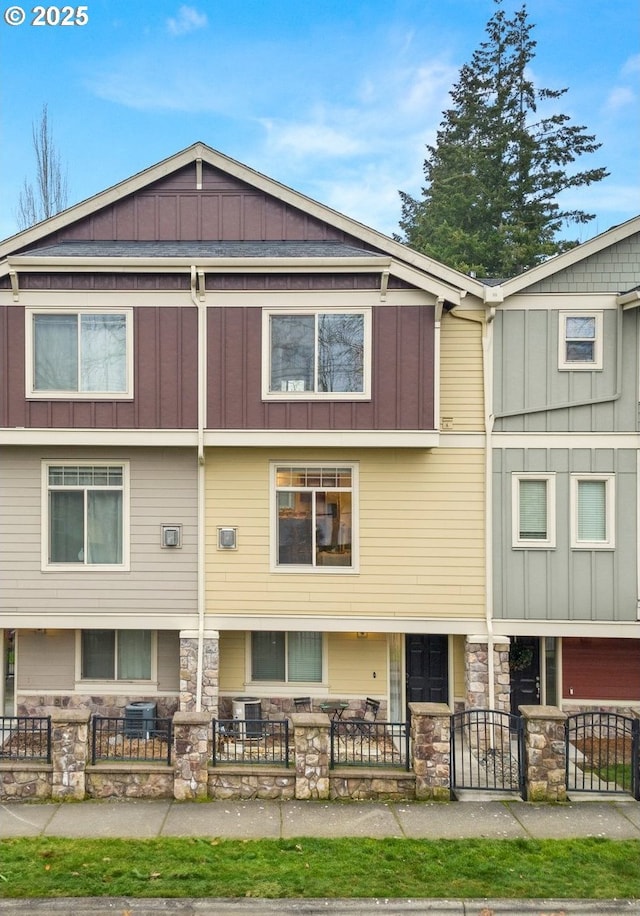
(197, 295)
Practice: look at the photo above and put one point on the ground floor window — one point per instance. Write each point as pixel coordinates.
(287, 657)
(116, 655)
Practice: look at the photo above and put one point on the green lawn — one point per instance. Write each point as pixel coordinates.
(174, 867)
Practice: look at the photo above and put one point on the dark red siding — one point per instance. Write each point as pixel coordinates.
(165, 378)
(225, 209)
(402, 382)
(601, 669)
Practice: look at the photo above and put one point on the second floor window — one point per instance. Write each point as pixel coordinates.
(79, 353)
(580, 340)
(85, 512)
(317, 353)
(314, 516)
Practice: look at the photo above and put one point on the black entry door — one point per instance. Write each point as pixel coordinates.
(524, 667)
(427, 669)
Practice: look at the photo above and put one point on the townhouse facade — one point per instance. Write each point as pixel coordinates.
(565, 455)
(251, 449)
(242, 453)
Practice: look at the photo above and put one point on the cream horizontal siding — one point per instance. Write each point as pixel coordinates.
(421, 538)
(461, 378)
(357, 666)
(232, 661)
(160, 581)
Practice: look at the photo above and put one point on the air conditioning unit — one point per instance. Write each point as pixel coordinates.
(140, 719)
(248, 712)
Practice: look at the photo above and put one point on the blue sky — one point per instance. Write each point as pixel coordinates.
(336, 98)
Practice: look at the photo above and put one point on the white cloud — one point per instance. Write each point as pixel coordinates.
(187, 20)
(631, 66)
(620, 97)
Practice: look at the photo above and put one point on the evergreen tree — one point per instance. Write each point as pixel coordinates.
(493, 177)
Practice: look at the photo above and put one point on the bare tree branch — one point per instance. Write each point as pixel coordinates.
(49, 193)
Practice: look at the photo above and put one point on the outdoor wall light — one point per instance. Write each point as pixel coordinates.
(171, 536)
(227, 538)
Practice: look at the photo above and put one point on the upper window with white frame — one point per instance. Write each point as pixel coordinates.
(314, 517)
(79, 353)
(85, 516)
(580, 340)
(592, 505)
(533, 499)
(324, 354)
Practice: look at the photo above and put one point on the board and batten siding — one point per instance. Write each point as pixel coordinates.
(527, 377)
(421, 528)
(564, 583)
(461, 376)
(159, 590)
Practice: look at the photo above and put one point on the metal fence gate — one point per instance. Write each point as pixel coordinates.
(487, 751)
(603, 753)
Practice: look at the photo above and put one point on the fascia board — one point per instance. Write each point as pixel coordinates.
(199, 151)
(571, 257)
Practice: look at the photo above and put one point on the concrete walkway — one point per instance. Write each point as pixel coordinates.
(141, 819)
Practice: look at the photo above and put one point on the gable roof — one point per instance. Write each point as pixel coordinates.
(422, 271)
(573, 256)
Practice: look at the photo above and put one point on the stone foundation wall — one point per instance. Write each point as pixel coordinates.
(25, 781)
(132, 780)
(358, 784)
(251, 782)
(100, 705)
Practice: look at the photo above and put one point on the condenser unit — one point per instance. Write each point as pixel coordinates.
(248, 712)
(140, 719)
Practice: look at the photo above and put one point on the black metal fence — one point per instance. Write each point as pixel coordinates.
(603, 753)
(251, 741)
(369, 744)
(487, 751)
(25, 738)
(129, 739)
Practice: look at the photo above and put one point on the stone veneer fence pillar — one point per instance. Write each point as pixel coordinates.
(191, 734)
(311, 734)
(431, 744)
(69, 752)
(477, 673)
(545, 753)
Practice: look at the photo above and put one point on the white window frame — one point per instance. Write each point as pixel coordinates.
(565, 364)
(533, 543)
(286, 687)
(290, 568)
(609, 541)
(84, 568)
(364, 395)
(74, 395)
(115, 685)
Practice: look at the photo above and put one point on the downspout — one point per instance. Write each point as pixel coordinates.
(198, 299)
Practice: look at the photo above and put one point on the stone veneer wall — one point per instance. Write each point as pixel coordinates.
(477, 673)
(100, 705)
(189, 673)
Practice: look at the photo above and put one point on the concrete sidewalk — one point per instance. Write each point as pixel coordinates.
(142, 819)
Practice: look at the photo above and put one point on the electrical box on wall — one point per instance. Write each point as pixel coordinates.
(227, 538)
(171, 536)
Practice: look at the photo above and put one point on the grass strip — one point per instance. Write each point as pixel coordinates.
(591, 868)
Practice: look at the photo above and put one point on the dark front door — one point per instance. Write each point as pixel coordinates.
(427, 669)
(524, 667)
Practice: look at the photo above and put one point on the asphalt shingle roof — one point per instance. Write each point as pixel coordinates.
(185, 249)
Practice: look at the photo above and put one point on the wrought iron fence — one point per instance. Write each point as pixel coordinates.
(25, 738)
(603, 753)
(127, 739)
(487, 751)
(369, 744)
(251, 741)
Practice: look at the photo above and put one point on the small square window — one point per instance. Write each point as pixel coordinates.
(580, 340)
(533, 500)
